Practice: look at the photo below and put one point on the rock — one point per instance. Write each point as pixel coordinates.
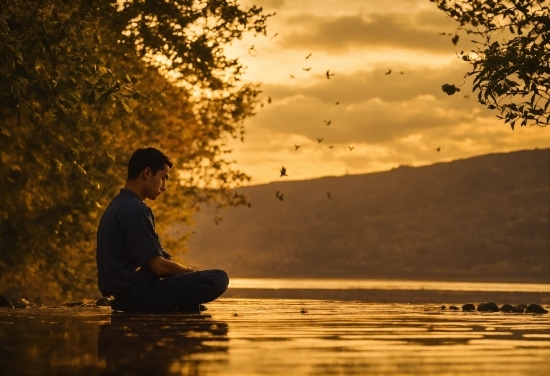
(488, 307)
(21, 303)
(442, 307)
(4, 302)
(511, 309)
(453, 308)
(535, 308)
(468, 307)
(103, 302)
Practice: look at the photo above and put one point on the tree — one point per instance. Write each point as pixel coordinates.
(511, 64)
(82, 84)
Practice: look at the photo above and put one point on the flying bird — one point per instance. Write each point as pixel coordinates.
(337, 103)
(438, 149)
(401, 72)
(274, 35)
(388, 72)
(269, 100)
(327, 122)
(252, 51)
(351, 148)
(329, 195)
(331, 146)
(328, 74)
(279, 195)
(308, 56)
(283, 172)
(306, 69)
(319, 140)
(291, 76)
(296, 147)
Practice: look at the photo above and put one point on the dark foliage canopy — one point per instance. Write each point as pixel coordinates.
(511, 64)
(82, 84)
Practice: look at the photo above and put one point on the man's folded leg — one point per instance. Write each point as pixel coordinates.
(182, 292)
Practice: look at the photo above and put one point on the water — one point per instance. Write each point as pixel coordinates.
(365, 284)
(292, 327)
(275, 337)
(390, 291)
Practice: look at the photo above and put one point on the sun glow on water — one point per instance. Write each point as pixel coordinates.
(365, 284)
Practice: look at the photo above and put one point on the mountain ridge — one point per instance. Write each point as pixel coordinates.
(484, 218)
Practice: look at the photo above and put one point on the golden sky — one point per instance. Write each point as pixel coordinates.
(382, 120)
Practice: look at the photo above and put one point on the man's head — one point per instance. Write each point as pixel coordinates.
(148, 170)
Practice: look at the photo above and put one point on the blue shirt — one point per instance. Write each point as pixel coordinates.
(126, 242)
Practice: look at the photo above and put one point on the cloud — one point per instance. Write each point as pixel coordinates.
(373, 121)
(418, 31)
(373, 107)
(358, 86)
(390, 120)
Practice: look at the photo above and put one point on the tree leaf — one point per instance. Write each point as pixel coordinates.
(450, 89)
(126, 108)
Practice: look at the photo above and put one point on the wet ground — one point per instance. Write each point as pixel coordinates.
(238, 336)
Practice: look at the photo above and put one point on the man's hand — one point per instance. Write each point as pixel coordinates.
(165, 268)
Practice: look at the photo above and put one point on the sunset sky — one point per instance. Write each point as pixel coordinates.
(382, 120)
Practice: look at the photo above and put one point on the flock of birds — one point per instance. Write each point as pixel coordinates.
(283, 171)
(328, 122)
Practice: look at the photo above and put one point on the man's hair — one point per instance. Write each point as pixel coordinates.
(144, 157)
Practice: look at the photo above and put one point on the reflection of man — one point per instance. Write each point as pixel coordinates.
(136, 345)
(131, 264)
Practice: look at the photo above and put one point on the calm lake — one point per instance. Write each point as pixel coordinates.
(281, 336)
(390, 291)
(370, 284)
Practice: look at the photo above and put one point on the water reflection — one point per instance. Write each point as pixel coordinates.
(161, 345)
(83, 342)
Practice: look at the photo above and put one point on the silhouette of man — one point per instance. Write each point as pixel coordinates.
(131, 263)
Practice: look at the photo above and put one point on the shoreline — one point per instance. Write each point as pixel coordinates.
(393, 296)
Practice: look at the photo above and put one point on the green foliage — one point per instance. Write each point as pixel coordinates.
(510, 66)
(82, 84)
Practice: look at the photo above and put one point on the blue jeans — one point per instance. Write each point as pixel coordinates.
(184, 292)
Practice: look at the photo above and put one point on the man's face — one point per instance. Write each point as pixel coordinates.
(156, 184)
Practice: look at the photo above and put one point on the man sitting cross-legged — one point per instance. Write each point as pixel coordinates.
(131, 263)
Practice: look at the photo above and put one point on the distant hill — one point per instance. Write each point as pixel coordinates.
(485, 218)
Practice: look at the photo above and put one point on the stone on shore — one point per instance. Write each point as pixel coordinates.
(508, 308)
(468, 307)
(535, 308)
(103, 302)
(488, 307)
(22, 303)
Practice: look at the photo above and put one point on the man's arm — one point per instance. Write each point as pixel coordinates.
(165, 268)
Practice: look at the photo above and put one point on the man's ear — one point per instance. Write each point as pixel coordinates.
(147, 173)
